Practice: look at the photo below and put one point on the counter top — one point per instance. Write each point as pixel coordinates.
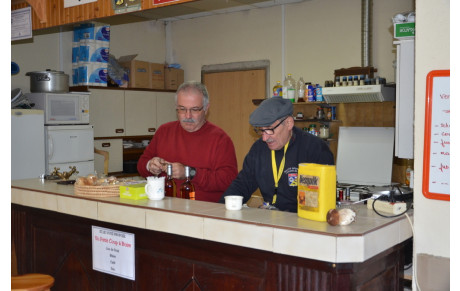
(268, 230)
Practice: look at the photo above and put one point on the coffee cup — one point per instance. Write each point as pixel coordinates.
(233, 202)
(155, 188)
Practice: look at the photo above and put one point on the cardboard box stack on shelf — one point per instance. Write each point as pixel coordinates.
(138, 71)
(149, 75)
(157, 73)
(173, 78)
(90, 54)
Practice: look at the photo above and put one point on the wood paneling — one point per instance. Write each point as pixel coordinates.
(60, 245)
(56, 15)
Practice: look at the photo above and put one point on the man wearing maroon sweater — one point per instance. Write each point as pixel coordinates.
(192, 141)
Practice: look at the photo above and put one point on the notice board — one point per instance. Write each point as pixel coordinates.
(436, 160)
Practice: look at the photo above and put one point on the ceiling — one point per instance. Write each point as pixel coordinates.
(194, 9)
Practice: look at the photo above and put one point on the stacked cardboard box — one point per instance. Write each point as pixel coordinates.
(173, 78)
(148, 75)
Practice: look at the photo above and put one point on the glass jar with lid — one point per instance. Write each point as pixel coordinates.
(324, 131)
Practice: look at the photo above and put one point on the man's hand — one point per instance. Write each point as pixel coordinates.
(157, 165)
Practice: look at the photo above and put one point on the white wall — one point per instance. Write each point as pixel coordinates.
(432, 43)
(320, 36)
(54, 50)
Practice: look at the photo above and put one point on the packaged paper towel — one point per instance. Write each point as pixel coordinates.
(93, 51)
(92, 74)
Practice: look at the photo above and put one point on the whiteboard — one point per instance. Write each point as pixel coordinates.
(365, 155)
(436, 159)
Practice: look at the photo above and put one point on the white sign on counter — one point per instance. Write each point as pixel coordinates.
(113, 252)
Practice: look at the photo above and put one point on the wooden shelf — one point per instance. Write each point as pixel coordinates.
(316, 120)
(86, 89)
(258, 101)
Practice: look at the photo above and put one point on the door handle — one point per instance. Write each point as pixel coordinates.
(119, 130)
(50, 147)
(106, 144)
(152, 129)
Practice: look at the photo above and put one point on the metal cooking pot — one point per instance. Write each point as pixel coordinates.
(48, 81)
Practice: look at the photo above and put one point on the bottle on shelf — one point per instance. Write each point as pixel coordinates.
(324, 131)
(350, 80)
(337, 81)
(289, 88)
(187, 190)
(320, 113)
(310, 93)
(319, 93)
(300, 90)
(278, 89)
(329, 113)
(409, 172)
(170, 184)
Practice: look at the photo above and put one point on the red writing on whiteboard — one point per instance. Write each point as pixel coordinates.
(445, 133)
(444, 96)
(445, 153)
(445, 125)
(444, 143)
(446, 111)
(443, 167)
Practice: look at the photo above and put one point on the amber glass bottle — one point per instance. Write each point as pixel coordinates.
(170, 184)
(187, 190)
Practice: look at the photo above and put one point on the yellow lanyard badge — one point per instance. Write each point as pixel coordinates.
(277, 173)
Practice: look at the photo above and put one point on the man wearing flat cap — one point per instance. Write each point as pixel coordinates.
(272, 162)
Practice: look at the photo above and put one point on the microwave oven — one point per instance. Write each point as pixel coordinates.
(62, 108)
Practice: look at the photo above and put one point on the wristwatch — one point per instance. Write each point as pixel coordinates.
(192, 172)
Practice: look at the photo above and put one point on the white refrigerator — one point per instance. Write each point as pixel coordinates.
(68, 146)
(27, 144)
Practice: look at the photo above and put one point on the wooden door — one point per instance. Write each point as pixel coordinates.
(230, 95)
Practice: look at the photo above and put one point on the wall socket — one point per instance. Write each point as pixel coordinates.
(71, 3)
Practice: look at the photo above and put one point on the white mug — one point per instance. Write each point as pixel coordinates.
(155, 188)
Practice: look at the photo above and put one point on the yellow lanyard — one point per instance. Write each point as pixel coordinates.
(277, 173)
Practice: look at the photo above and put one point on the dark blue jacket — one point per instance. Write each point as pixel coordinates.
(257, 169)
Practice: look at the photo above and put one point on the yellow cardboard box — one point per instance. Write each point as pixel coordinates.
(134, 191)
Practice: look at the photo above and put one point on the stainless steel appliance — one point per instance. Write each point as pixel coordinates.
(62, 108)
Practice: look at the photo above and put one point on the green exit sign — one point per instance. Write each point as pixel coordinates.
(406, 29)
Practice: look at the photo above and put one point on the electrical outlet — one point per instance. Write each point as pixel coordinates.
(71, 3)
(387, 207)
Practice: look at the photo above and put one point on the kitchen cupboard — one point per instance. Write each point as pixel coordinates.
(115, 149)
(134, 115)
(128, 112)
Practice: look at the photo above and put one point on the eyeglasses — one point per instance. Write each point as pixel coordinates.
(268, 131)
(194, 110)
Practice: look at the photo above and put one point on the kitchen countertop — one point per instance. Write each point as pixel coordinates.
(268, 230)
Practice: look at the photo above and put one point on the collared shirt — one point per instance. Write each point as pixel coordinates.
(257, 169)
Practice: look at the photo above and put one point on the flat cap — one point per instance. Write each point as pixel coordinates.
(270, 110)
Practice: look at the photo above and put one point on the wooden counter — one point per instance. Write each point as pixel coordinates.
(180, 243)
